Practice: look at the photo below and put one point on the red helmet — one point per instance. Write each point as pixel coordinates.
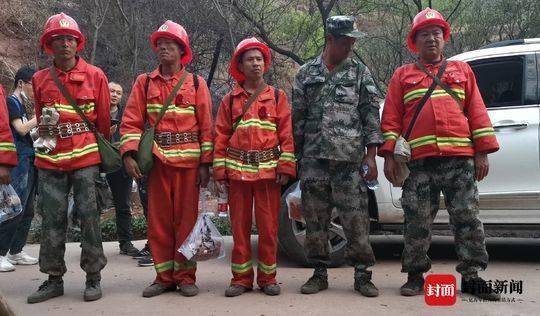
(243, 46)
(427, 17)
(61, 24)
(176, 32)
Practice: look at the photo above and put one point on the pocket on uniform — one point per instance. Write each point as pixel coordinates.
(346, 93)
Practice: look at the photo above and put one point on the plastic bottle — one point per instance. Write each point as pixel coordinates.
(372, 185)
(223, 202)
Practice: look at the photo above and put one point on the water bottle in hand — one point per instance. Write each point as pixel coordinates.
(372, 185)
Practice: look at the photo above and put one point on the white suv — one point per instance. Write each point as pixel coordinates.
(508, 75)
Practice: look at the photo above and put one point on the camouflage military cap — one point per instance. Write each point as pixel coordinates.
(343, 25)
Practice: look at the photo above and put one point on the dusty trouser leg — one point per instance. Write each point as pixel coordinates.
(420, 201)
(316, 209)
(53, 191)
(84, 195)
(461, 197)
(350, 197)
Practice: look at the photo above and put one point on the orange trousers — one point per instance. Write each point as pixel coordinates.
(173, 199)
(266, 195)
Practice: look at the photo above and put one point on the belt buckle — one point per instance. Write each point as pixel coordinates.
(78, 128)
(68, 133)
(186, 137)
(253, 157)
(165, 139)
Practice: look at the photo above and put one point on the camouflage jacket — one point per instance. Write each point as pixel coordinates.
(335, 117)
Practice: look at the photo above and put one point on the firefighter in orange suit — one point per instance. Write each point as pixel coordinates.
(71, 161)
(254, 157)
(183, 152)
(8, 152)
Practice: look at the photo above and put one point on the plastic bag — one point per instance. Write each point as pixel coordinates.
(10, 203)
(294, 203)
(204, 242)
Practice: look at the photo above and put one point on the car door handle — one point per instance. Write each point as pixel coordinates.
(510, 124)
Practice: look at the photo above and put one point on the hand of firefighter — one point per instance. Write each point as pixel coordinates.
(390, 168)
(222, 184)
(369, 160)
(203, 176)
(132, 168)
(4, 175)
(481, 166)
(282, 178)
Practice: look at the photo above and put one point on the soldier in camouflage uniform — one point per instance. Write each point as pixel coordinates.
(449, 142)
(335, 117)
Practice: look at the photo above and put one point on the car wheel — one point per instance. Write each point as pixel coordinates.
(292, 234)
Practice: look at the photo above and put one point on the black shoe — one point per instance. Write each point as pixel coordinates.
(235, 290)
(128, 249)
(363, 284)
(414, 285)
(318, 282)
(146, 262)
(46, 291)
(156, 289)
(145, 252)
(92, 292)
(478, 287)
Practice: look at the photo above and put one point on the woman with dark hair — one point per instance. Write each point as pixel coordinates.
(13, 233)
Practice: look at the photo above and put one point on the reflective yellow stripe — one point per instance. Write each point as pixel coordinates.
(164, 266)
(206, 146)
(481, 132)
(241, 268)
(7, 147)
(69, 109)
(267, 269)
(239, 166)
(219, 162)
(436, 93)
(128, 137)
(69, 155)
(179, 152)
(153, 108)
(440, 141)
(390, 136)
(287, 157)
(257, 123)
(186, 265)
(453, 141)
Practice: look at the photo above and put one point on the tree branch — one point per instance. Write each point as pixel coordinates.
(263, 33)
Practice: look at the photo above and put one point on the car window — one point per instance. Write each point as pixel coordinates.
(500, 81)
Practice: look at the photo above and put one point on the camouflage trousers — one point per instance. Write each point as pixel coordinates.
(454, 176)
(53, 190)
(327, 184)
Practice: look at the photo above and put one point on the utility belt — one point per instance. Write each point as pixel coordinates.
(253, 157)
(63, 130)
(168, 139)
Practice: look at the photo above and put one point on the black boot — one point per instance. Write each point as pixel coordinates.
(476, 286)
(363, 284)
(413, 286)
(317, 282)
(92, 291)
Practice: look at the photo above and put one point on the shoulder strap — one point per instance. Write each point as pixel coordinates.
(248, 103)
(443, 85)
(170, 97)
(71, 101)
(276, 95)
(196, 82)
(424, 100)
(146, 84)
